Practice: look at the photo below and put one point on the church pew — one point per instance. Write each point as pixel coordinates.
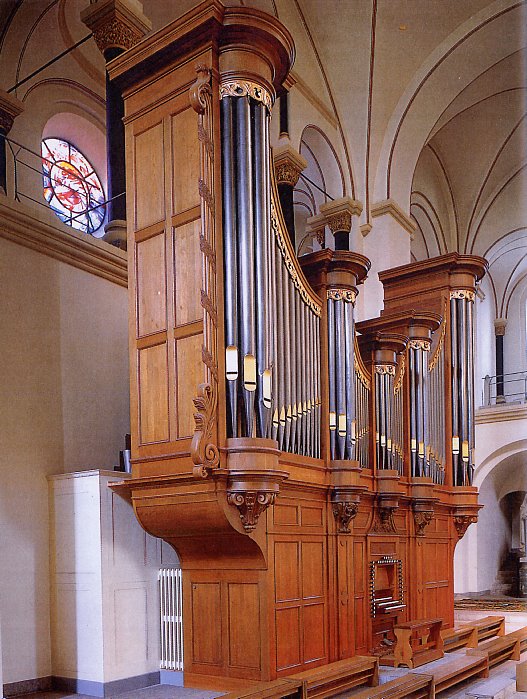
(474, 664)
(521, 635)
(462, 637)
(284, 688)
(332, 679)
(501, 649)
(489, 626)
(412, 685)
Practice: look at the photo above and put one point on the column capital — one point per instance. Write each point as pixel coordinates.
(288, 164)
(499, 326)
(116, 24)
(339, 212)
(316, 225)
(10, 108)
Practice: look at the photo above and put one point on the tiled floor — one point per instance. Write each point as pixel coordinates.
(513, 621)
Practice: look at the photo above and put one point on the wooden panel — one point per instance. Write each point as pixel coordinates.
(312, 516)
(206, 626)
(314, 635)
(312, 570)
(189, 375)
(151, 285)
(149, 177)
(187, 273)
(285, 514)
(287, 571)
(153, 394)
(185, 159)
(244, 625)
(288, 650)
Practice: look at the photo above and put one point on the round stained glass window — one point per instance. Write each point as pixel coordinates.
(71, 186)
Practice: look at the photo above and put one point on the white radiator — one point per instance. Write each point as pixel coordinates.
(171, 609)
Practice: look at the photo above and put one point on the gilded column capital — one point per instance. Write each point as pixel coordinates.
(316, 225)
(339, 213)
(10, 108)
(288, 164)
(116, 24)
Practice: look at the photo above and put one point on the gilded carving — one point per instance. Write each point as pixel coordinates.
(360, 369)
(340, 222)
(290, 264)
(463, 294)
(439, 349)
(347, 295)
(385, 369)
(399, 381)
(246, 88)
(423, 345)
(321, 237)
(251, 504)
(205, 455)
(462, 523)
(422, 519)
(344, 512)
(287, 173)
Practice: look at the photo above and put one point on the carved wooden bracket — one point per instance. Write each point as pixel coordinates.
(344, 511)
(462, 523)
(422, 519)
(251, 504)
(384, 522)
(205, 455)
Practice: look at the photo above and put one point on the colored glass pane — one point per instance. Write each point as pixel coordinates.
(71, 186)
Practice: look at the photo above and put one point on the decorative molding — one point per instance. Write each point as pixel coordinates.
(423, 345)
(246, 88)
(205, 455)
(463, 294)
(117, 24)
(462, 523)
(422, 519)
(251, 504)
(439, 349)
(290, 263)
(346, 295)
(344, 511)
(385, 369)
(391, 208)
(10, 108)
(501, 413)
(25, 227)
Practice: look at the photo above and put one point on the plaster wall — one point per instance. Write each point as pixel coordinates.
(63, 342)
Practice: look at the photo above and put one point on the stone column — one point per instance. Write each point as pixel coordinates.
(10, 108)
(288, 164)
(499, 330)
(117, 25)
(339, 216)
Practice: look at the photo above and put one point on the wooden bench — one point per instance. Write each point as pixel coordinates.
(329, 680)
(489, 626)
(418, 642)
(474, 664)
(412, 685)
(284, 688)
(501, 649)
(521, 635)
(462, 637)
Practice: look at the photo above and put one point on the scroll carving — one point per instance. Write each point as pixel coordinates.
(200, 94)
(251, 504)
(344, 511)
(422, 519)
(246, 88)
(347, 295)
(462, 523)
(205, 455)
(385, 369)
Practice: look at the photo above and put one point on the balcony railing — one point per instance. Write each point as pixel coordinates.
(504, 388)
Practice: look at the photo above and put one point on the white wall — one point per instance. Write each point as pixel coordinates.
(64, 383)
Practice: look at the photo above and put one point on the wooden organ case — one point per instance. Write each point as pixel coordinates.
(285, 452)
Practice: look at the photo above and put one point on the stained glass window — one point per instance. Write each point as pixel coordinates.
(71, 186)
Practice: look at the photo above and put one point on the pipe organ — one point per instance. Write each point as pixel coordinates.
(284, 449)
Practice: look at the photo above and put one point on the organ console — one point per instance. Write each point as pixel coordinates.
(288, 453)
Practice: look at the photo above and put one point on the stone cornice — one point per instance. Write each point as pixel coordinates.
(22, 225)
(502, 413)
(390, 207)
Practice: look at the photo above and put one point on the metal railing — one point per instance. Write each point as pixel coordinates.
(504, 388)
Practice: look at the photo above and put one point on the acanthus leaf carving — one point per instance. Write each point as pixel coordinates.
(462, 523)
(205, 455)
(251, 504)
(422, 519)
(344, 511)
